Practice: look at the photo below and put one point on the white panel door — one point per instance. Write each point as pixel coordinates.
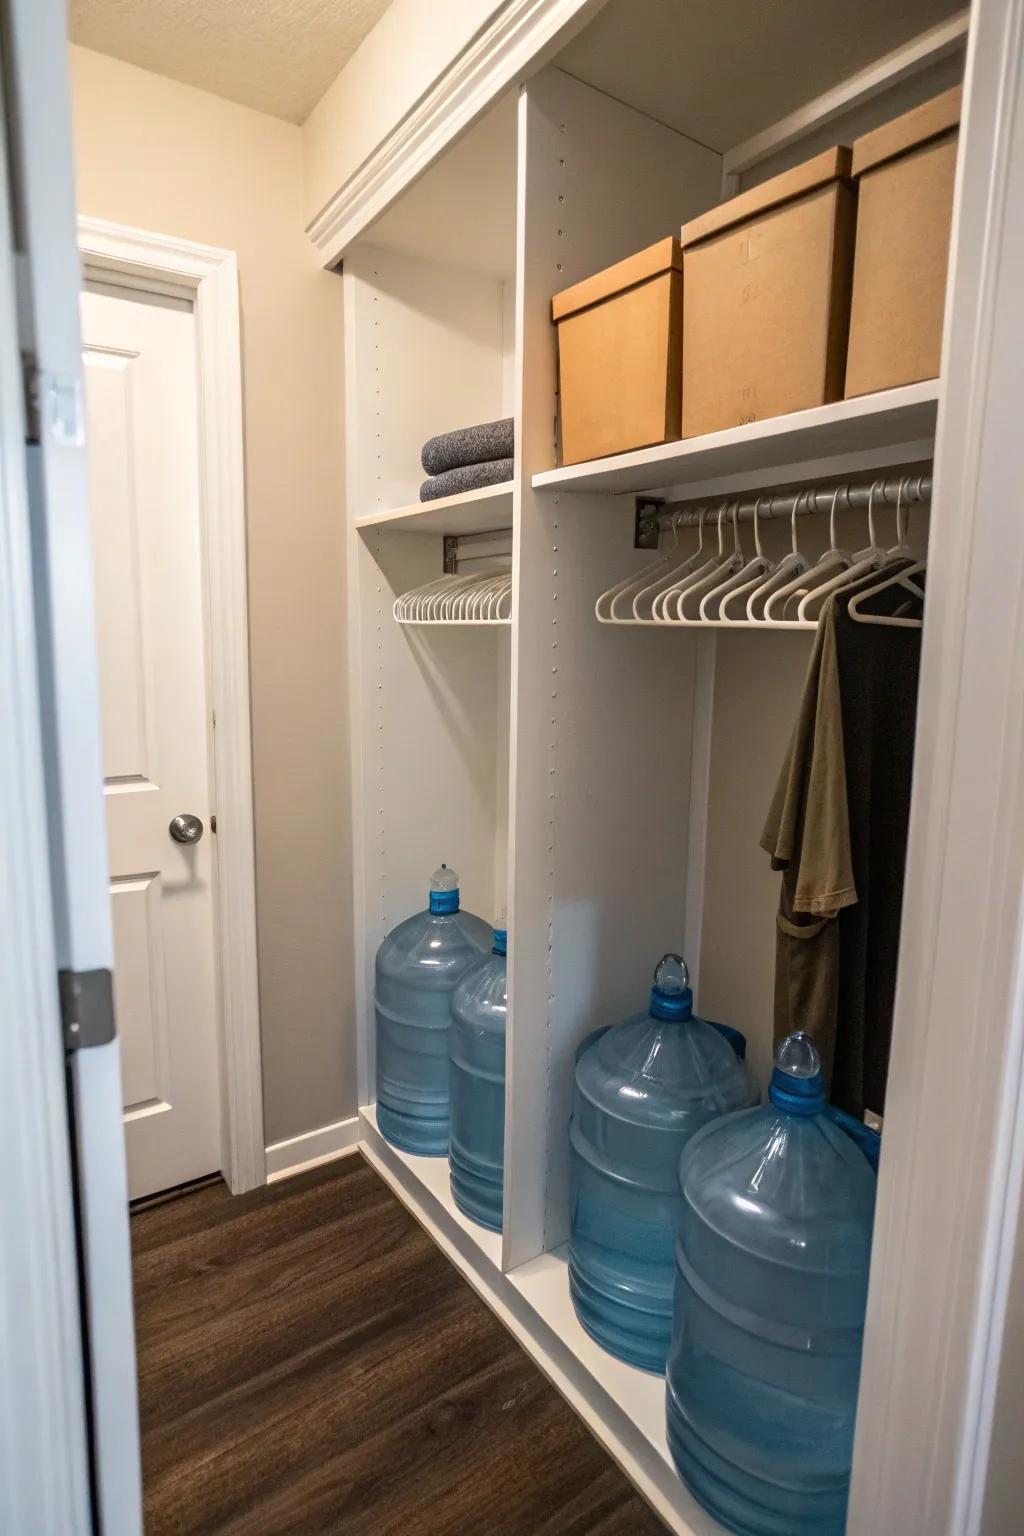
(140, 368)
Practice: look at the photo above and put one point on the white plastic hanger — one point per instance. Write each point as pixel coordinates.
(790, 566)
(607, 606)
(734, 592)
(874, 558)
(645, 599)
(418, 598)
(864, 562)
(663, 608)
(833, 560)
(901, 550)
(688, 603)
(483, 598)
(902, 578)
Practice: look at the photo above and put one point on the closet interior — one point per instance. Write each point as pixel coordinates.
(600, 777)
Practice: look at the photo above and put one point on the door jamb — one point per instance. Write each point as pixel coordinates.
(134, 258)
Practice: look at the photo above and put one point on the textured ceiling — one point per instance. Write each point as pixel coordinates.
(276, 55)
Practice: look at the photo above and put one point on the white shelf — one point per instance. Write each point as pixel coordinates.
(544, 1284)
(431, 1175)
(896, 426)
(480, 511)
(623, 1406)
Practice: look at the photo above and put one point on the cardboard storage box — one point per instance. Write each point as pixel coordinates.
(766, 293)
(904, 172)
(619, 342)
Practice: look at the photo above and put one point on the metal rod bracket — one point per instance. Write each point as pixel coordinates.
(646, 525)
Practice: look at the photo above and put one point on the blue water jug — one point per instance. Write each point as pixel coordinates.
(419, 965)
(772, 1254)
(643, 1088)
(476, 1147)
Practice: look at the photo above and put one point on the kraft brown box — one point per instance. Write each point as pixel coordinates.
(766, 296)
(905, 172)
(619, 346)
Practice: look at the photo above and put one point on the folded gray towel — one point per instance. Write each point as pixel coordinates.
(470, 445)
(468, 477)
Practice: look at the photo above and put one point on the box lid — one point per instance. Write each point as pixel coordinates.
(831, 165)
(663, 256)
(915, 127)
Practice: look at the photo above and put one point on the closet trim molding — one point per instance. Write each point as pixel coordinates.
(520, 37)
(137, 259)
(952, 1168)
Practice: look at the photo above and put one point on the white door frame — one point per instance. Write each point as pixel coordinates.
(137, 259)
(950, 1180)
(43, 1437)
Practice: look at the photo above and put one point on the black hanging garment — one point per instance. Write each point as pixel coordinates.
(879, 666)
(838, 830)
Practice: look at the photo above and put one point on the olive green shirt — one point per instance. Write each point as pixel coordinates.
(807, 834)
(837, 829)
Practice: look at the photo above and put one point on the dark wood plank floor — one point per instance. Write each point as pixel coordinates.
(310, 1362)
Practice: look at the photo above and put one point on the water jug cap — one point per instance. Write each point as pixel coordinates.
(671, 997)
(500, 936)
(797, 1084)
(444, 890)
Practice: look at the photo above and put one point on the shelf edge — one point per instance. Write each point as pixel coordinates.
(621, 1437)
(903, 409)
(418, 514)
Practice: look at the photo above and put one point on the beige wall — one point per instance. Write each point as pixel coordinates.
(411, 45)
(167, 158)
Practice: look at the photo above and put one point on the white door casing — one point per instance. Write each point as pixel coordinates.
(42, 1383)
(44, 1476)
(144, 499)
(133, 260)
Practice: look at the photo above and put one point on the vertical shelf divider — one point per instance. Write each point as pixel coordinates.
(597, 891)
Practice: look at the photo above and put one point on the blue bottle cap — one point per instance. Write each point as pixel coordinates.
(797, 1085)
(671, 997)
(500, 936)
(444, 891)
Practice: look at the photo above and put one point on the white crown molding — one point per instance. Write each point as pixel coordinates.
(516, 42)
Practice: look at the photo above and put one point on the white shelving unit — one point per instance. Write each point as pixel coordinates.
(482, 511)
(606, 788)
(624, 1406)
(428, 1178)
(849, 437)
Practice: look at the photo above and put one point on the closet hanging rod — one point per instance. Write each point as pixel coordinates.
(916, 489)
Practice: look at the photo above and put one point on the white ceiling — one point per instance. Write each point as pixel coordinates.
(278, 56)
(721, 70)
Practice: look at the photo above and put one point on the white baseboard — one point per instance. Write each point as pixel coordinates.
(324, 1144)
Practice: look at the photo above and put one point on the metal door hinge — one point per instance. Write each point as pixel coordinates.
(54, 404)
(87, 1008)
(29, 378)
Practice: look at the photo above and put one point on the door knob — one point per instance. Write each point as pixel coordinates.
(186, 829)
